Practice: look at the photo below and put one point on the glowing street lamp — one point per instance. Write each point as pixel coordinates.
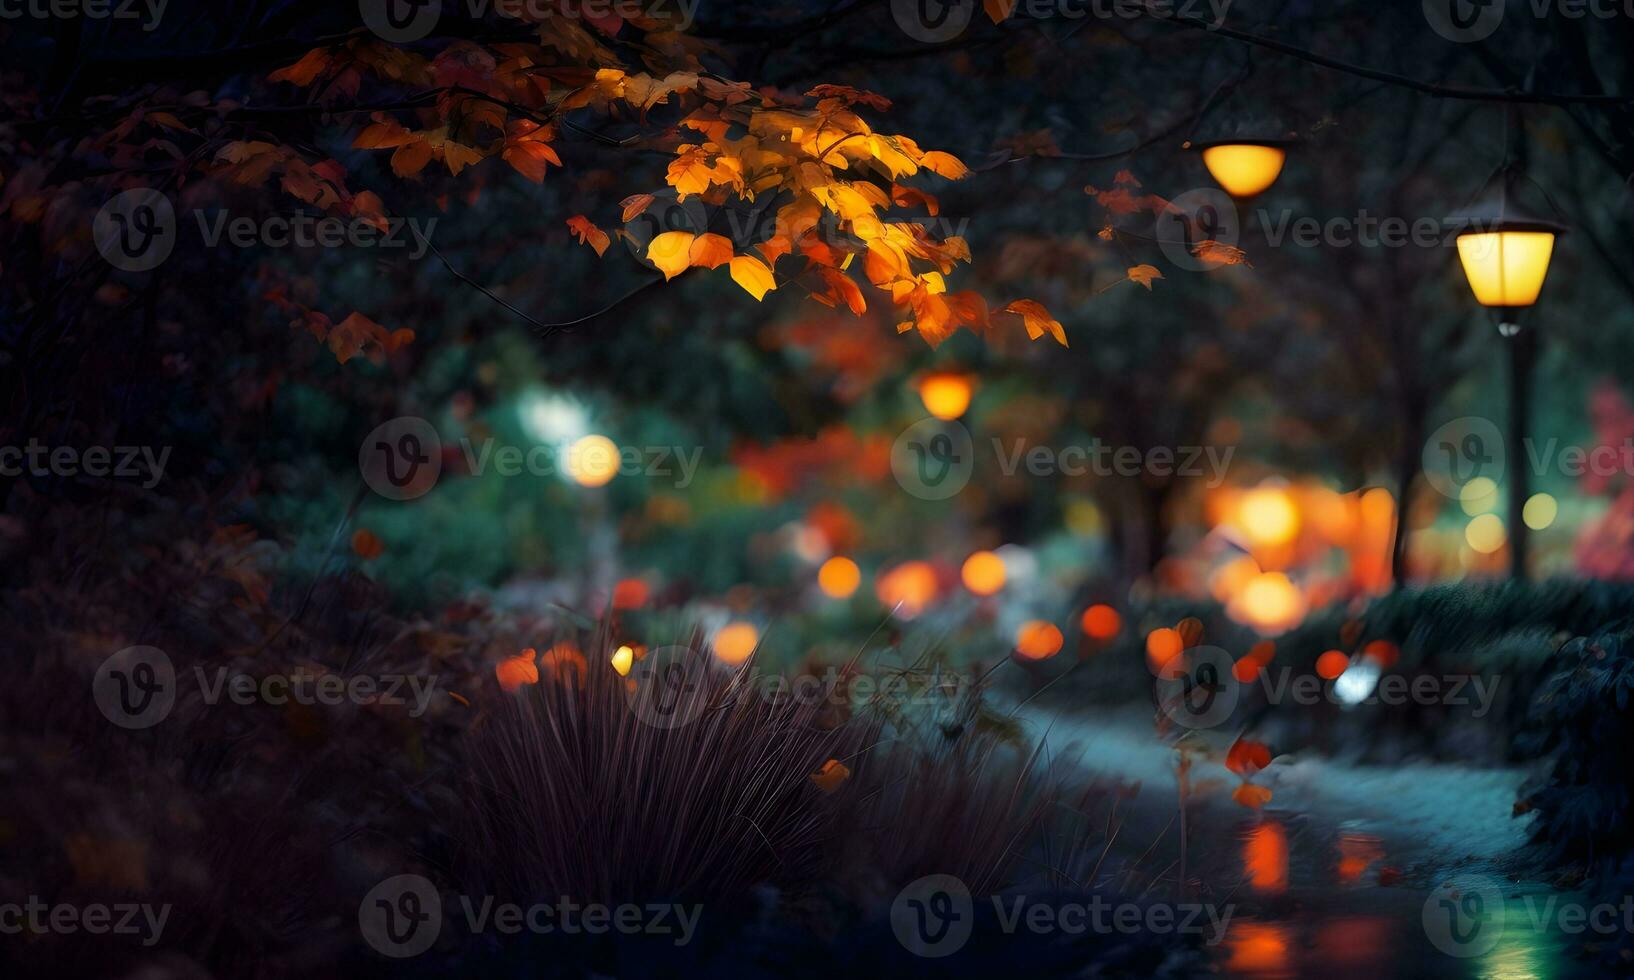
(1505, 251)
(1244, 167)
(946, 394)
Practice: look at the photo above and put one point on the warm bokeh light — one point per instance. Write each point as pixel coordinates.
(1038, 640)
(908, 588)
(631, 593)
(734, 642)
(561, 660)
(623, 658)
(1268, 516)
(1229, 579)
(1258, 657)
(839, 577)
(1269, 602)
(946, 394)
(1244, 169)
(1540, 511)
(1486, 534)
(983, 573)
(1102, 622)
(592, 461)
(1163, 645)
(1478, 496)
(1258, 949)
(1331, 664)
(1506, 268)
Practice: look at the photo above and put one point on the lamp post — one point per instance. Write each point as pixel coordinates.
(1505, 251)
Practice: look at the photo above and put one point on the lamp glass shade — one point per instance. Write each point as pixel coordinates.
(1244, 169)
(1506, 268)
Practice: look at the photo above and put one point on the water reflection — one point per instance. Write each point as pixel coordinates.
(1265, 857)
(1258, 949)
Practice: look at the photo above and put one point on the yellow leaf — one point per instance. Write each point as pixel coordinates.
(752, 274)
(1144, 274)
(710, 251)
(1037, 320)
(945, 164)
(671, 252)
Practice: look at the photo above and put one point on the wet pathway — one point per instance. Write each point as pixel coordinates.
(1346, 873)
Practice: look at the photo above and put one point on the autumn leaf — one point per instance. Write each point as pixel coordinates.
(710, 251)
(588, 234)
(367, 545)
(634, 205)
(671, 252)
(1144, 274)
(1218, 253)
(303, 72)
(999, 10)
(1252, 796)
(831, 776)
(753, 275)
(944, 164)
(528, 158)
(1037, 320)
(1246, 757)
(513, 672)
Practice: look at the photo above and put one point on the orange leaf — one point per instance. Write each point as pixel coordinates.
(753, 275)
(1251, 796)
(304, 71)
(1037, 320)
(710, 251)
(999, 10)
(588, 233)
(1144, 274)
(1218, 253)
(411, 158)
(831, 775)
(529, 159)
(635, 204)
(1246, 757)
(513, 672)
(671, 252)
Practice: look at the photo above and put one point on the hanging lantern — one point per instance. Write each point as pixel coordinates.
(1505, 251)
(1244, 167)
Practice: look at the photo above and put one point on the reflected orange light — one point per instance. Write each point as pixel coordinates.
(1258, 947)
(1265, 857)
